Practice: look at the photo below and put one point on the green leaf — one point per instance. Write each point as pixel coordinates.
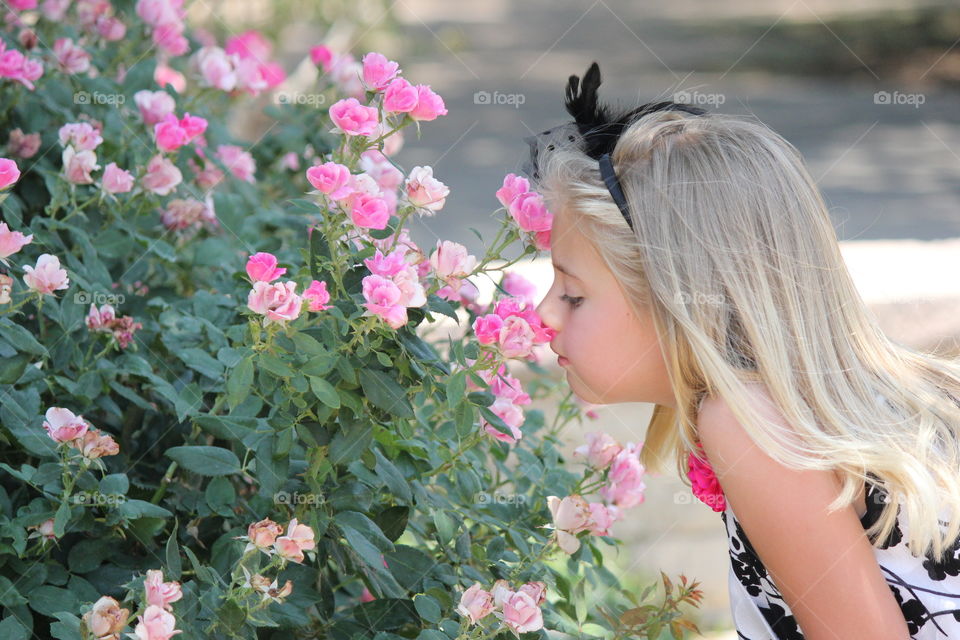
(133, 509)
(367, 527)
(115, 484)
(456, 388)
(393, 521)
(61, 519)
(350, 443)
(174, 565)
(9, 596)
(23, 339)
(10, 628)
(201, 362)
(325, 392)
(204, 460)
(308, 345)
(220, 496)
(383, 391)
(239, 381)
(427, 607)
(12, 367)
(67, 627)
(384, 614)
(48, 600)
(395, 480)
(275, 365)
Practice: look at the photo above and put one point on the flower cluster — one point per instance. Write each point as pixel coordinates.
(704, 483)
(105, 320)
(267, 536)
(514, 327)
(519, 610)
(18, 67)
(278, 302)
(79, 141)
(527, 208)
(393, 287)
(509, 398)
(241, 65)
(66, 428)
(166, 21)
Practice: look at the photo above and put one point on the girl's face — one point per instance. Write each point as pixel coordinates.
(611, 355)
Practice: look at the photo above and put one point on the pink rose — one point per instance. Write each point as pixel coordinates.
(277, 302)
(626, 488)
(116, 180)
(71, 58)
(165, 75)
(378, 71)
(519, 287)
(704, 483)
(521, 613)
(106, 619)
(249, 44)
(429, 104)
(11, 242)
(47, 276)
(400, 97)
(424, 191)
(238, 162)
(317, 295)
(452, 261)
(9, 172)
(262, 267)
(600, 450)
(369, 211)
(322, 56)
(516, 338)
(530, 213)
(512, 416)
(537, 591)
(383, 298)
(264, 533)
(387, 265)
(366, 596)
(23, 145)
(475, 603)
(111, 28)
(95, 444)
(571, 515)
(513, 185)
(162, 176)
(299, 538)
(156, 624)
(154, 105)
(63, 425)
(216, 68)
(82, 136)
(353, 118)
(330, 178)
(601, 519)
(160, 593)
(182, 213)
(77, 165)
(487, 328)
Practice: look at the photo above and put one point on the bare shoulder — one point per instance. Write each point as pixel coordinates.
(822, 563)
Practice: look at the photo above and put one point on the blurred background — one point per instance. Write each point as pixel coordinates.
(867, 90)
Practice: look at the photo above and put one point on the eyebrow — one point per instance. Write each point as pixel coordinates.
(563, 270)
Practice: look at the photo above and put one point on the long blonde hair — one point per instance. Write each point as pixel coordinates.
(734, 253)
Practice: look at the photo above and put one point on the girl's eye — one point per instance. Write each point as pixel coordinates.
(573, 301)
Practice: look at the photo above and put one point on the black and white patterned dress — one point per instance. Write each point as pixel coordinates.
(928, 593)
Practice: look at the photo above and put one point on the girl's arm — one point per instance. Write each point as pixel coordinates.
(823, 564)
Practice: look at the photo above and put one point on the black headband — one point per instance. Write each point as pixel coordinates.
(613, 186)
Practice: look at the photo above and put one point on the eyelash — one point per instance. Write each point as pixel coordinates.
(574, 301)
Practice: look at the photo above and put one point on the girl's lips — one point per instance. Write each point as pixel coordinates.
(562, 361)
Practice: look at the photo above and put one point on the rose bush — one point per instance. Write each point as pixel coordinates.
(221, 417)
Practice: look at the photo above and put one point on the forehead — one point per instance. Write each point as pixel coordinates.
(568, 245)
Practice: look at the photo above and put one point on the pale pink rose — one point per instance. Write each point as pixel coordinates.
(264, 533)
(82, 136)
(487, 328)
(47, 276)
(331, 178)
(317, 295)
(400, 96)
(511, 306)
(288, 549)
(77, 165)
(160, 593)
(429, 105)
(519, 287)
(452, 261)
(571, 515)
(11, 63)
(30, 72)
(106, 620)
(537, 591)
(601, 519)
(165, 75)
(412, 293)
(95, 444)
(11, 242)
(516, 338)
(154, 106)
(378, 71)
(46, 530)
(277, 302)
(321, 56)
(521, 613)
(383, 298)
(475, 603)
(512, 416)
(250, 76)
(183, 213)
(63, 425)
(301, 534)
(116, 180)
(353, 118)
(513, 185)
(369, 211)
(424, 191)
(530, 212)
(500, 591)
(262, 267)
(23, 145)
(162, 176)
(249, 44)
(703, 481)
(111, 28)
(216, 68)
(208, 177)
(378, 166)
(346, 73)
(156, 624)
(237, 161)
(54, 10)
(290, 160)
(100, 319)
(71, 58)
(626, 488)
(9, 172)
(601, 449)
(170, 39)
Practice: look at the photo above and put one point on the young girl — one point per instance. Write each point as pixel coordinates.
(696, 268)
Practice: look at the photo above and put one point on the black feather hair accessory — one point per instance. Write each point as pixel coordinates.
(595, 129)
